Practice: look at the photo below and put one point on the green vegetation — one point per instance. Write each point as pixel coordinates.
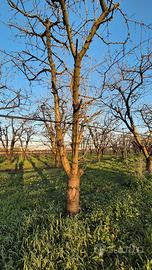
(27, 164)
(113, 230)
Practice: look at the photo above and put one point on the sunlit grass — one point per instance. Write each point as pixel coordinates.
(113, 230)
(27, 163)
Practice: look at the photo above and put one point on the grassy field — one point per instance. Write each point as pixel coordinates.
(113, 230)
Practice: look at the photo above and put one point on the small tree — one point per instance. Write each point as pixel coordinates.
(101, 136)
(25, 137)
(9, 135)
(4, 139)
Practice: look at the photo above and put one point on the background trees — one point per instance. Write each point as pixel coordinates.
(101, 135)
(10, 134)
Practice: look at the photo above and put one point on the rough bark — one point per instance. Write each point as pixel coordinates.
(102, 152)
(149, 165)
(12, 148)
(98, 156)
(57, 160)
(73, 186)
(73, 195)
(59, 134)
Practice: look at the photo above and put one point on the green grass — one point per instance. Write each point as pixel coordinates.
(113, 230)
(27, 164)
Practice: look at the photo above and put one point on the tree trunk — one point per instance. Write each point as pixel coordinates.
(102, 152)
(7, 153)
(123, 153)
(73, 195)
(90, 150)
(98, 156)
(149, 165)
(114, 152)
(57, 160)
(11, 152)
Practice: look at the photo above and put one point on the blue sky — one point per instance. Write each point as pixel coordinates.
(138, 9)
(135, 9)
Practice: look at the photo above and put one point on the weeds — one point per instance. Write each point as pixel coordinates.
(113, 230)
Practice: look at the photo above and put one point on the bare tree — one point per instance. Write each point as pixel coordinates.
(101, 136)
(9, 135)
(54, 31)
(4, 139)
(122, 144)
(26, 134)
(127, 83)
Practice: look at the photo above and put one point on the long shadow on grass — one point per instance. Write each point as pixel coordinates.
(2, 158)
(15, 158)
(13, 179)
(121, 192)
(30, 208)
(11, 200)
(44, 162)
(38, 170)
(18, 163)
(25, 205)
(51, 186)
(103, 186)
